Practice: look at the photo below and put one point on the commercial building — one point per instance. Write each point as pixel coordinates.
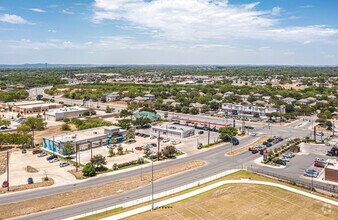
(174, 130)
(29, 107)
(234, 109)
(67, 112)
(331, 171)
(85, 139)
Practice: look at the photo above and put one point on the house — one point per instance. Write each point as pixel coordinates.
(126, 99)
(149, 97)
(303, 101)
(166, 101)
(140, 99)
(290, 101)
(114, 96)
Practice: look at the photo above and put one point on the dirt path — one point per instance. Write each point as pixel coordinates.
(90, 193)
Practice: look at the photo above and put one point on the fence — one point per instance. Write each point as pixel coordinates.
(333, 189)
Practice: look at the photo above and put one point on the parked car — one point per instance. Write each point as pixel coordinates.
(281, 162)
(23, 151)
(254, 151)
(42, 154)
(311, 173)
(5, 184)
(330, 153)
(201, 132)
(64, 164)
(319, 164)
(291, 154)
(138, 148)
(165, 140)
(54, 160)
(153, 137)
(318, 159)
(36, 151)
(30, 180)
(286, 159)
(51, 157)
(253, 134)
(287, 155)
(251, 148)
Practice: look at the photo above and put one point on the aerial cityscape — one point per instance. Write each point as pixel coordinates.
(168, 109)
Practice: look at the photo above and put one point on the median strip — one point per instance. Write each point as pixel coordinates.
(90, 193)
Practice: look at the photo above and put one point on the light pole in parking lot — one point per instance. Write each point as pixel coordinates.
(152, 184)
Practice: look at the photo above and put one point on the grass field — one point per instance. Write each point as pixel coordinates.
(243, 201)
(235, 176)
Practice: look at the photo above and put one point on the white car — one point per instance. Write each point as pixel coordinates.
(165, 140)
(253, 134)
(54, 160)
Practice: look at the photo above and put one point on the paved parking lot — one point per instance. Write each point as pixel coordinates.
(18, 163)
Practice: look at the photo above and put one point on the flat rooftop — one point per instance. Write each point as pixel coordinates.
(83, 135)
(174, 127)
(25, 103)
(66, 109)
(37, 105)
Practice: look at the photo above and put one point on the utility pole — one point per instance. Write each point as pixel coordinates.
(158, 145)
(209, 134)
(152, 185)
(53, 145)
(314, 133)
(76, 149)
(8, 170)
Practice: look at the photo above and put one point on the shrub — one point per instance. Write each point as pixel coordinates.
(88, 170)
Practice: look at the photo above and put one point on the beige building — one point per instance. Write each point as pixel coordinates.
(29, 107)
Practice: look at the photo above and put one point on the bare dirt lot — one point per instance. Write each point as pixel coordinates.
(90, 193)
(245, 201)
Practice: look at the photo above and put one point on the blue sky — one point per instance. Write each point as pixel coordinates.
(302, 32)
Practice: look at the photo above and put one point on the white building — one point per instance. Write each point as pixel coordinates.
(67, 112)
(174, 130)
(231, 109)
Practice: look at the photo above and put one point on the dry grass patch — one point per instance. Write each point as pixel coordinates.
(44, 183)
(3, 161)
(246, 147)
(245, 201)
(90, 193)
(31, 169)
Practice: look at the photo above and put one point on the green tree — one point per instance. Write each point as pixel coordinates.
(130, 135)
(124, 123)
(147, 152)
(68, 149)
(169, 150)
(142, 122)
(65, 127)
(32, 124)
(120, 150)
(4, 122)
(98, 161)
(89, 170)
(125, 113)
(111, 152)
(185, 109)
(108, 110)
(226, 133)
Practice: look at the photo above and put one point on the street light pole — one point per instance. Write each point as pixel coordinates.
(209, 134)
(8, 170)
(152, 185)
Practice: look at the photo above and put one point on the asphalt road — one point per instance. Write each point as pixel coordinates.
(215, 159)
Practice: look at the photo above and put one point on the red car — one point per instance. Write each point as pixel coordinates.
(319, 164)
(36, 151)
(138, 148)
(254, 151)
(5, 184)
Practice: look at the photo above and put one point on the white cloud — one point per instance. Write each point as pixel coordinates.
(37, 10)
(276, 11)
(67, 11)
(204, 20)
(13, 19)
(52, 31)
